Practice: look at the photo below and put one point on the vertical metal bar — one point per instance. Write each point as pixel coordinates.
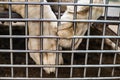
(115, 55)
(41, 40)
(26, 40)
(11, 40)
(73, 40)
(57, 45)
(88, 34)
(103, 40)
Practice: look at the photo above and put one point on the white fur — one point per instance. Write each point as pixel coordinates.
(49, 28)
(79, 8)
(66, 28)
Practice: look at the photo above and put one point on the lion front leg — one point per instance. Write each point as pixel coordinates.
(34, 43)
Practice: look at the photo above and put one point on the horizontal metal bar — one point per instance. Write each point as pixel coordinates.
(65, 66)
(58, 20)
(77, 78)
(60, 3)
(57, 37)
(63, 51)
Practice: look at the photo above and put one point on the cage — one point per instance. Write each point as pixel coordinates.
(95, 58)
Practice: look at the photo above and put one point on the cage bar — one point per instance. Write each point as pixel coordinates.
(94, 59)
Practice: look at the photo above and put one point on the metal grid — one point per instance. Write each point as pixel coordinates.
(81, 64)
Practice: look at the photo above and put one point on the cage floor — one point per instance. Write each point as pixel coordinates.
(19, 58)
